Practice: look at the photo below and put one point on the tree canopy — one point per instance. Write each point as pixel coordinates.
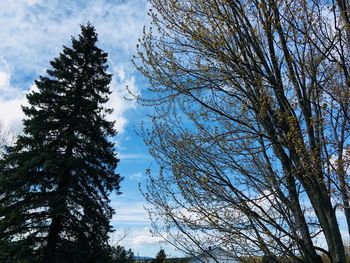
(160, 257)
(56, 179)
(121, 255)
(251, 126)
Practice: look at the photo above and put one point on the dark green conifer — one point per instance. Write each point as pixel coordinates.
(56, 180)
(160, 257)
(121, 255)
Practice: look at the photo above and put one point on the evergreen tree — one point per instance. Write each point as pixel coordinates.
(121, 255)
(160, 257)
(55, 181)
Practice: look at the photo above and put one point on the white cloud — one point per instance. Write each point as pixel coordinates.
(135, 176)
(129, 212)
(7, 91)
(132, 218)
(143, 243)
(11, 114)
(143, 237)
(139, 237)
(32, 2)
(117, 99)
(11, 99)
(120, 72)
(133, 228)
(4, 79)
(133, 215)
(137, 156)
(33, 32)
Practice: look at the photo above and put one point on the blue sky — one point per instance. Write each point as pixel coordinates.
(32, 33)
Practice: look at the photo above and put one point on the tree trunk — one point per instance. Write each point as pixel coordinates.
(321, 203)
(53, 236)
(344, 15)
(307, 247)
(347, 215)
(57, 206)
(326, 215)
(345, 197)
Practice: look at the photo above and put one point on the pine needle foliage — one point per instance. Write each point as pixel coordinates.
(56, 180)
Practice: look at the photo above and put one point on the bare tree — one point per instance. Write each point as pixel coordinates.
(251, 124)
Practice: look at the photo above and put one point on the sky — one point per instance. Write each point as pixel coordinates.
(32, 33)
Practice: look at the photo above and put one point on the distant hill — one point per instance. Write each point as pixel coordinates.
(142, 258)
(168, 260)
(177, 260)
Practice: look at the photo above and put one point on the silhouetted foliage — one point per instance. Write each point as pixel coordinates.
(55, 181)
(160, 257)
(121, 255)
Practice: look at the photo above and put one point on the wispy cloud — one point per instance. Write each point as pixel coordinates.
(137, 156)
(135, 176)
(132, 218)
(129, 212)
(144, 243)
(143, 237)
(33, 32)
(136, 238)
